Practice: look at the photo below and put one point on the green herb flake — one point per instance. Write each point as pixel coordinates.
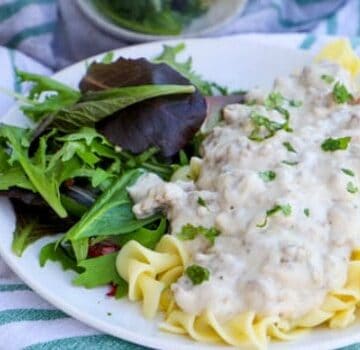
(252, 102)
(351, 188)
(341, 94)
(197, 274)
(285, 209)
(327, 78)
(267, 176)
(274, 100)
(331, 145)
(189, 232)
(348, 172)
(307, 212)
(201, 202)
(264, 128)
(289, 162)
(295, 103)
(289, 147)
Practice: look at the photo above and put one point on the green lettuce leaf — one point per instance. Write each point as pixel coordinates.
(33, 223)
(57, 253)
(112, 213)
(95, 106)
(146, 237)
(100, 272)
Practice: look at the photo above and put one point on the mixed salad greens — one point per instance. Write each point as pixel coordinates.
(67, 175)
(159, 17)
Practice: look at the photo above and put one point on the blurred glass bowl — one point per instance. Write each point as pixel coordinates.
(219, 14)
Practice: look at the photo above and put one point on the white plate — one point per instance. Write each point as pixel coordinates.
(219, 15)
(235, 62)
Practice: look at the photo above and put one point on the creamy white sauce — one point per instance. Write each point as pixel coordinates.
(287, 267)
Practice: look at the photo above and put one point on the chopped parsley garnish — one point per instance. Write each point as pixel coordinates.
(307, 212)
(351, 188)
(267, 176)
(341, 94)
(331, 145)
(274, 100)
(348, 172)
(189, 232)
(289, 162)
(285, 209)
(327, 78)
(295, 103)
(251, 102)
(264, 128)
(289, 147)
(197, 274)
(201, 202)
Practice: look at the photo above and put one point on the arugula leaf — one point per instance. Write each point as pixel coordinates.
(146, 237)
(267, 176)
(341, 94)
(197, 274)
(56, 252)
(189, 232)
(58, 95)
(111, 214)
(169, 56)
(101, 271)
(95, 106)
(46, 183)
(15, 177)
(339, 144)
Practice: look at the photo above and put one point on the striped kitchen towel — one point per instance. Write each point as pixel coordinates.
(26, 320)
(56, 33)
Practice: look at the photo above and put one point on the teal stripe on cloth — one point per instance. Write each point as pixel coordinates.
(308, 42)
(92, 342)
(287, 23)
(13, 287)
(18, 315)
(332, 25)
(31, 32)
(355, 42)
(358, 29)
(10, 9)
(17, 85)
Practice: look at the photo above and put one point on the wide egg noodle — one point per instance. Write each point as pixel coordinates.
(150, 274)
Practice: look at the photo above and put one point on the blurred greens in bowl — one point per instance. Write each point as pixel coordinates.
(147, 20)
(158, 17)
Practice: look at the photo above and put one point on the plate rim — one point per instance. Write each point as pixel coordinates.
(97, 323)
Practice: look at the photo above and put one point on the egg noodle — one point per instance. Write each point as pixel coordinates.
(150, 274)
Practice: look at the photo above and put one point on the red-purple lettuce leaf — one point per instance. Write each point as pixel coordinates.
(167, 123)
